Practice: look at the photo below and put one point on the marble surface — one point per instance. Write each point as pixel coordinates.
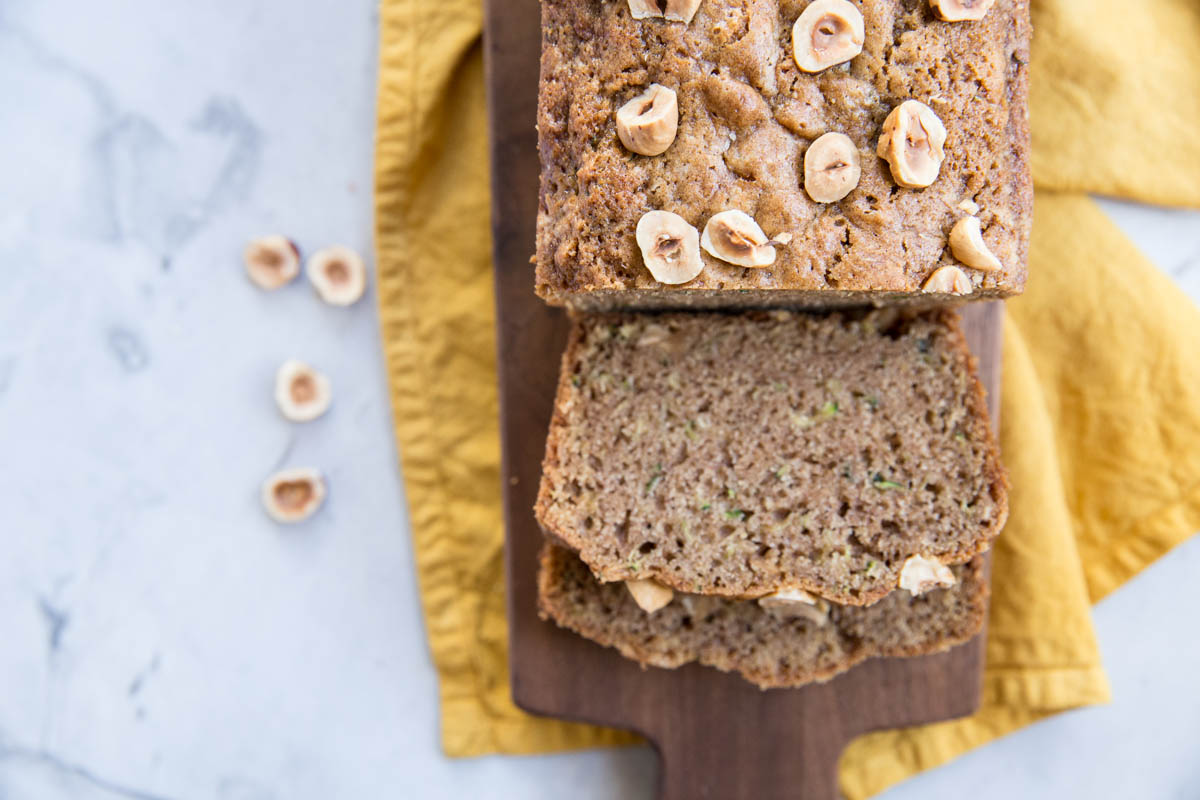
(159, 637)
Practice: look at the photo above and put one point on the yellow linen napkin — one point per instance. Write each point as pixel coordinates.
(1101, 400)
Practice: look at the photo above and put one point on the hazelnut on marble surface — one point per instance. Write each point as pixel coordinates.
(649, 595)
(271, 261)
(961, 10)
(338, 274)
(647, 124)
(733, 236)
(920, 574)
(672, 10)
(301, 392)
(832, 168)
(967, 245)
(828, 32)
(670, 247)
(293, 495)
(911, 142)
(948, 280)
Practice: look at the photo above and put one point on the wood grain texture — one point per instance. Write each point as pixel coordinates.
(717, 736)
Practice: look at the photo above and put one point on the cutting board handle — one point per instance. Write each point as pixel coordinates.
(748, 763)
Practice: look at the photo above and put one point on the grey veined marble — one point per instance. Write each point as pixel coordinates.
(159, 637)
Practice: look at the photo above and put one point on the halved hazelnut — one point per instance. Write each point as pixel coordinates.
(911, 142)
(960, 10)
(650, 595)
(828, 32)
(673, 10)
(338, 274)
(271, 261)
(301, 392)
(920, 574)
(948, 280)
(967, 245)
(832, 167)
(735, 237)
(293, 495)
(796, 603)
(670, 247)
(647, 124)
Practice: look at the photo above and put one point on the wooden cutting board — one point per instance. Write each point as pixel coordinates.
(717, 736)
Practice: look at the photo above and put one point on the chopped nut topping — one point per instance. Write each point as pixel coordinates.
(961, 10)
(672, 10)
(832, 168)
(828, 32)
(920, 574)
(967, 245)
(647, 124)
(650, 595)
(948, 280)
(734, 236)
(911, 142)
(670, 247)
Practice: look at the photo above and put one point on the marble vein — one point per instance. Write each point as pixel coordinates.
(61, 765)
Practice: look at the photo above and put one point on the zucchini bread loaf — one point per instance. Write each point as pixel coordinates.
(782, 152)
(743, 453)
(770, 644)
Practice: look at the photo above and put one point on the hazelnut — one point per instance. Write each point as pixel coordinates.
(948, 280)
(796, 603)
(735, 237)
(673, 10)
(647, 124)
(960, 10)
(338, 274)
(920, 574)
(968, 206)
(301, 392)
(650, 595)
(832, 167)
(911, 142)
(293, 495)
(967, 245)
(271, 261)
(670, 247)
(827, 33)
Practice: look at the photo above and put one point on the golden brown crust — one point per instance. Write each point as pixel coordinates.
(747, 114)
(740, 636)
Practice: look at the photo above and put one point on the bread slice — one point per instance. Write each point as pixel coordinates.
(770, 648)
(740, 454)
(748, 117)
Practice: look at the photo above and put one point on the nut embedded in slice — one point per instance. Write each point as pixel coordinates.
(827, 33)
(832, 167)
(920, 574)
(948, 280)
(670, 247)
(647, 124)
(338, 274)
(293, 495)
(967, 245)
(673, 10)
(911, 142)
(301, 392)
(271, 261)
(961, 10)
(796, 603)
(651, 596)
(735, 237)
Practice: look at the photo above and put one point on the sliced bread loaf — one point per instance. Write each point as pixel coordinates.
(741, 454)
(771, 647)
